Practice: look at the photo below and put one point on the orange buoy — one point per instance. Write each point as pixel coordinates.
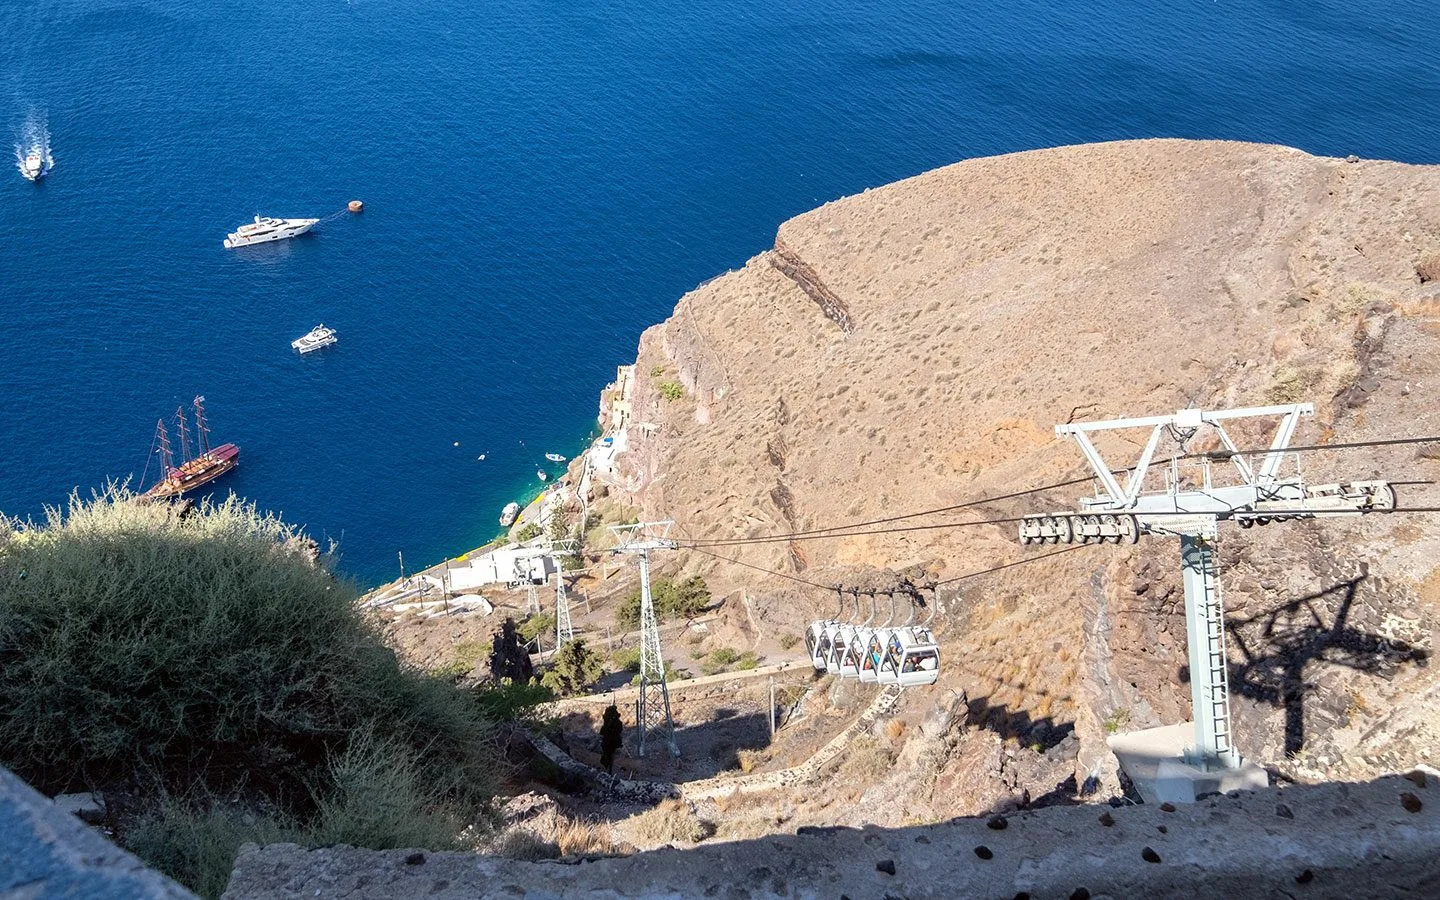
(356, 206)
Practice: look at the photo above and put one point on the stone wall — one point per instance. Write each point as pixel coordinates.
(1376, 839)
(45, 851)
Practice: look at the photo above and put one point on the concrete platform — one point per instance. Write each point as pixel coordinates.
(1154, 759)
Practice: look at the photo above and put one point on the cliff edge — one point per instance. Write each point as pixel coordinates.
(913, 347)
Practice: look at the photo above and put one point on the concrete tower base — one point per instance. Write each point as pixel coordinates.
(1154, 760)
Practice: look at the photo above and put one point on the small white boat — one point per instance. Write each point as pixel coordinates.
(540, 474)
(32, 166)
(317, 337)
(510, 513)
(554, 457)
(266, 228)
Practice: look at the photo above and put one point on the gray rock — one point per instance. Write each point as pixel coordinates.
(89, 807)
(948, 712)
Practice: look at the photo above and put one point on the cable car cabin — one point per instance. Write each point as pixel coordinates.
(839, 636)
(817, 641)
(887, 671)
(867, 662)
(874, 655)
(854, 652)
(918, 658)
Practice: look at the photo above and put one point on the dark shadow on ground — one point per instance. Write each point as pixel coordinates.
(706, 749)
(997, 717)
(1295, 635)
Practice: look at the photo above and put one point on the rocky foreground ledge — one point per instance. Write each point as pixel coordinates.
(1373, 839)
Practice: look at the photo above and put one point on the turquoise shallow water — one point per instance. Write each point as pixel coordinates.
(543, 181)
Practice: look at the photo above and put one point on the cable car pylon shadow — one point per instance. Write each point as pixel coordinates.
(1278, 646)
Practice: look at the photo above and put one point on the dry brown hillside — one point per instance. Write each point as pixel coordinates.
(914, 346)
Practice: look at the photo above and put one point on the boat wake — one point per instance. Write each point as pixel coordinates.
(33, 156)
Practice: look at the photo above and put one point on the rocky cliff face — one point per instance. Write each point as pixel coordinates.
(913, 347)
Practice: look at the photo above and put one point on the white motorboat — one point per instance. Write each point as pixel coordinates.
(554, 457)
(32, 165)
(510, 513)
(314, 339)
(540, 474)
(267, 228)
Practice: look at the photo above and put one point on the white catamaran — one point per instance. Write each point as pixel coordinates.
(267, 228)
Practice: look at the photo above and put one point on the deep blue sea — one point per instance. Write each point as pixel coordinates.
(542, 181)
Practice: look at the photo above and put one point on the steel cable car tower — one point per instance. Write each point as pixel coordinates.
(653, 712)
(563, 630)
(1191, 509)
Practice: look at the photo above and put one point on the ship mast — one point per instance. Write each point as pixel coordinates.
(162, 444)
(202, 434)
(184, 434)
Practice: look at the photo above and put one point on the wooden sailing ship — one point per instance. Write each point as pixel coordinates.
(194, 472)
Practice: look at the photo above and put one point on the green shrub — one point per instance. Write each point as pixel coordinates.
(195, 842)
(724, 656)
(507, 701)
(466, 657)
(573, 669)
(527, 532)
(378, 797)
(747, 661)
(657, 371)
(671, 674)
(1116, 721)
(210, 655)
(627, 611)
(787, 640)
(672, 599)
(671, 390)
(541, 625)
(627, 660)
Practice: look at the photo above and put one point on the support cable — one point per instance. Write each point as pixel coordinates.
(847, 529)
(1010, 565)
(787, 538)
(820, 532)
(794, 578)
(1010, 520)
(1349, 445)
(830, 587)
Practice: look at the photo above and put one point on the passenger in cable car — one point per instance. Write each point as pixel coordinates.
(919, 661)
(892, 657)
(876, 648)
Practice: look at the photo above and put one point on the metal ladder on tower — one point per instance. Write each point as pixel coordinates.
(1209, 675)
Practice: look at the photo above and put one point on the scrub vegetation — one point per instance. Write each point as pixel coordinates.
(209, 671)
(673, 599)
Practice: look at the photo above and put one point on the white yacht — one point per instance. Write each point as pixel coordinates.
(554, 457)
(317, 337)
(32, 165)
(266, 228)
(509, 514)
